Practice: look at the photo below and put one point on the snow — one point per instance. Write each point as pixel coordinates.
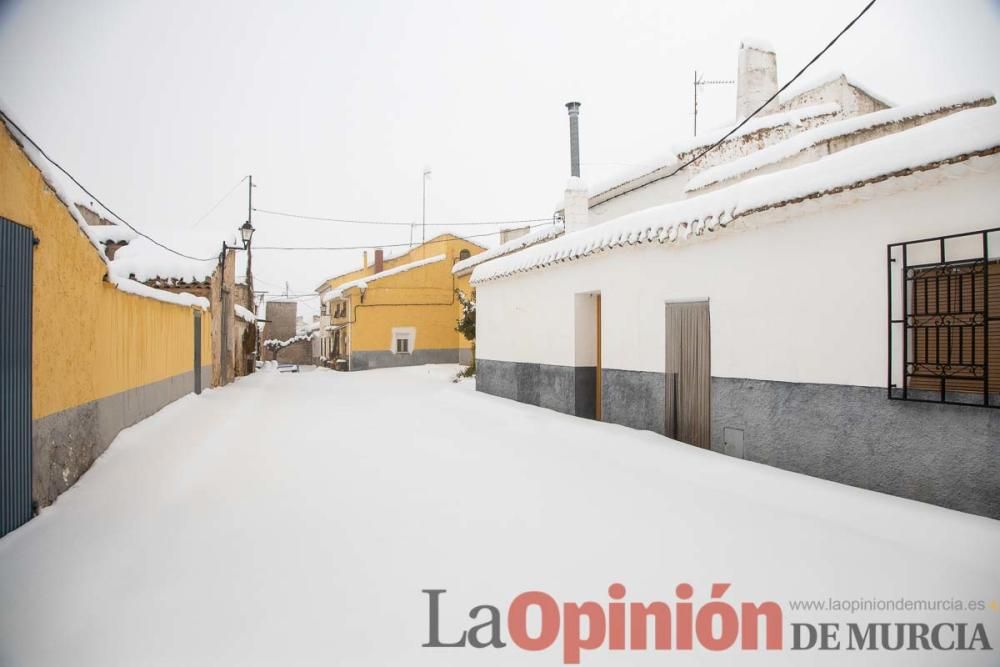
(531, 238)
(791, 117)
(576, 184)
(362, 283)
(705, 139)
(964, 132)
(806, 85)
(244, 313)
(275, 343)
(144, 260)
(754, 43)
(104, 234)
(631, 173)
(284, 520)
(817, 135)
(139, 289)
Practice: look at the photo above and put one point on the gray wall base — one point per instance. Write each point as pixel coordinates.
(65, 444)
(363, 361)
(942, 454)
(947, 455)
(464, 356)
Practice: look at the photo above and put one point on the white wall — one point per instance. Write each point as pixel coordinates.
(800, 300)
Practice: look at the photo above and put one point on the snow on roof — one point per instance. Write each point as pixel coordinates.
(810, 138)
(362, 283)
(790, 117)
(104, 234)
(143, 260)
(800, 87)
(950, 139)
(665, 160)
(759, 44)
(276, 344)
(540, 235)
(244, 313)
(70, 194)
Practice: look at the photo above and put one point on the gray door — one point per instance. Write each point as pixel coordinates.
(689, 374)
(16, 244)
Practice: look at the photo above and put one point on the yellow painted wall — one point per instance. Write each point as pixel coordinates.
(422, 298)
(90, 339)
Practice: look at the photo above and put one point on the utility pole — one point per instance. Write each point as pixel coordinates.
(703, 82)
(249, 253)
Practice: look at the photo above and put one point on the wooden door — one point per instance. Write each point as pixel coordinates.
(688, 373)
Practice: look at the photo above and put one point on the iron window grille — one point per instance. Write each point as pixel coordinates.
(944, 320)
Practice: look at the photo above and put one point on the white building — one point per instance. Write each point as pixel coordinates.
(753, 303)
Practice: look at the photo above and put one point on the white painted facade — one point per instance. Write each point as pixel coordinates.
(797, 294)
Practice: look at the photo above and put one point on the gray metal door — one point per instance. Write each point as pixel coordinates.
(16, 244)
(688, 374)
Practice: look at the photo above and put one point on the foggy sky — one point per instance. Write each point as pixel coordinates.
(335, 108)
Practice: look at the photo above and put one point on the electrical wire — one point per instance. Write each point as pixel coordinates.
(80, 185)
(770, 99)
(224, 197)
(395, 223)
(376, 245)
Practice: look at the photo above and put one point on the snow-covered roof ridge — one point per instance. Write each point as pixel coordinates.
(140, 289)
(965, 134)
(809, 138)
(362, 283)
(103, 234)
(539, 235)
(805, 86)
(276, 344)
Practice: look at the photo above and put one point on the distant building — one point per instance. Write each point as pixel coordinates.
(400, 311)
(820, 293)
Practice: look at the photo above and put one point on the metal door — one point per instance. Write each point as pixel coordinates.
(688, 374)
(16, 244)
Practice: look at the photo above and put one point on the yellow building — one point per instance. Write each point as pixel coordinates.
(83, 354)
(400, 311)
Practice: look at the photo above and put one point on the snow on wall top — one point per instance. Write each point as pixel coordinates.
(244, 313)
(143, 260)
(759, 44)
(953, 138)
(539, 235)
(362, 283)
(810, 138)
(800, 87)
(633, 172)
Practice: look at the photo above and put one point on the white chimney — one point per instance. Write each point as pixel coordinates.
(757, 78)
(576, 205)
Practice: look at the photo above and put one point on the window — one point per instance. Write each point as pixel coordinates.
(944, 319)
(403, 340)
(465, 254)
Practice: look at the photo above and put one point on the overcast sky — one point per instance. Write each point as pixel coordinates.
(160, 108)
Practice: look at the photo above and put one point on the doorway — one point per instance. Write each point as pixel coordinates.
(688, 390)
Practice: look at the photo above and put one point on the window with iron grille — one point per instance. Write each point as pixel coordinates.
(944, 319)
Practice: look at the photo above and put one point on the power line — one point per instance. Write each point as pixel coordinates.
(376, 245)
(772, 98)
(396, 223)
(224, 197)
(94, 197)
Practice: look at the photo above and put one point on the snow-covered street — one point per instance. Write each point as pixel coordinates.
(294, 519)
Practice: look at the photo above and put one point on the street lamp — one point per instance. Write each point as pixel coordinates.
(246, 233)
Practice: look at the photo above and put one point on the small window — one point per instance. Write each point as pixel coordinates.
(465, 254)
(402, 345)
(403, 340)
